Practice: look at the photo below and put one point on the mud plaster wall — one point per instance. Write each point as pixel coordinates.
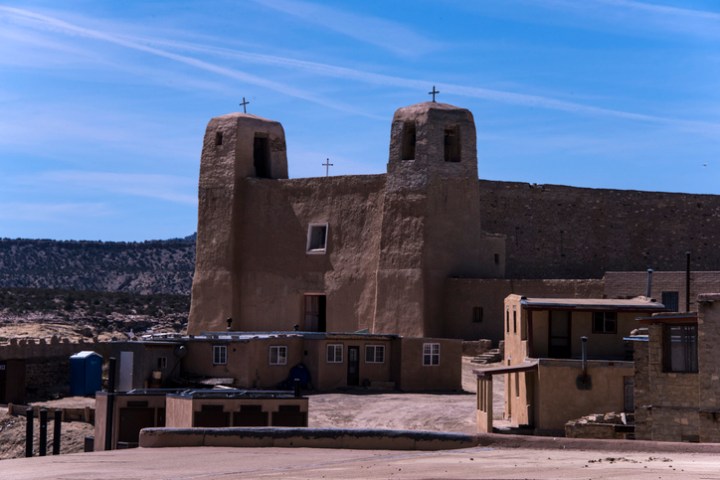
(461, 295)
(566, 232)
(275, 271)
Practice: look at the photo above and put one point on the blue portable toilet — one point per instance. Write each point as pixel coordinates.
(85, 373)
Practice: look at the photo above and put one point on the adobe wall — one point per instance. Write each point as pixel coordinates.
(274, 269)
(445, 376)
(560, 400)
(461, 295)
(556, 231)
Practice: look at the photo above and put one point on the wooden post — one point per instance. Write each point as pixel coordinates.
(30, 418)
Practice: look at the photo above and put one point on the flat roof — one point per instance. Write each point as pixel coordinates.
(239, 336)
(638, 304)
(226, 393)
(669, 317)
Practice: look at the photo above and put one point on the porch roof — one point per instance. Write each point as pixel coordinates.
(638, 304)
(525, 366)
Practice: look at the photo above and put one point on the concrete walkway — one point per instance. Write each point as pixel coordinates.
(306, 463)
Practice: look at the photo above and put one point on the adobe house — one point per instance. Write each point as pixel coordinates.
(137, 409)
(236, 408)
(423, 250)
(677, 372)
(131, 412)
(265, 360)
(333, 360)
(564, 358)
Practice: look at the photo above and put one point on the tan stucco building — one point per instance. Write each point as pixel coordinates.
(548, 378)
(426, 249)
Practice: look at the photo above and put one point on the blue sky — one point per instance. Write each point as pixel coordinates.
(104, 104)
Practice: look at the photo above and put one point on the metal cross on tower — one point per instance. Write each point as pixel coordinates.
(245, 102)
(433, 93)
(327, 166)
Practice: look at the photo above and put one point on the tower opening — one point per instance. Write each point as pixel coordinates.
(261, 156)
(408, 142)
(452, 144)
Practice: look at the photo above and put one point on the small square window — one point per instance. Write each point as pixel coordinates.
(334, 354)
(604, 322)
(375, 354)
(317, 238)
(219, 354)
(278, 355)
(431, 354)
(671, 300)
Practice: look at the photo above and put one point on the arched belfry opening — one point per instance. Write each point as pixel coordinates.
(408, 141)
(261, 156)
(451, 143)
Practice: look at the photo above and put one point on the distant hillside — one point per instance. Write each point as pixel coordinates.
(151, 267)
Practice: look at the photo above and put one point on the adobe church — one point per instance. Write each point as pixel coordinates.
(425, 250)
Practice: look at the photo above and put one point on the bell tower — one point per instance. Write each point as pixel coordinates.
(237, 148)
(431, 217)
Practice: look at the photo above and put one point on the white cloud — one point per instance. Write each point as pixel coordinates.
(169, 188)
(51, 212)
(386, 34)
(638, 16)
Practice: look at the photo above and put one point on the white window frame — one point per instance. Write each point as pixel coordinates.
(431, 354)
(374, 357)
(334, 353)
(219, 354)
(277, 355)
(314, 249)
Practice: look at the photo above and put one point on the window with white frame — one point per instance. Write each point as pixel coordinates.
(278, 355)
(334, 353)
(374, 353)
(431, 354)
(219, 354)
(317, 238)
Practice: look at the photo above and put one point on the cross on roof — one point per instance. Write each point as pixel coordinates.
(327, 166)
(243, 104)
(433, 93)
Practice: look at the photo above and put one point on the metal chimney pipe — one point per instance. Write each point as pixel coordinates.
(687, 281)
(648, 292)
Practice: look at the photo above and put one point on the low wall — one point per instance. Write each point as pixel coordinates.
(304, 437)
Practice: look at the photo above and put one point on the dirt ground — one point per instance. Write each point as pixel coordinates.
(12, 436)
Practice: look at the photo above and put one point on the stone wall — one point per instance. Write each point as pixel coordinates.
(666, 403)
(708, 391)
(556, 231)
(47, 378)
